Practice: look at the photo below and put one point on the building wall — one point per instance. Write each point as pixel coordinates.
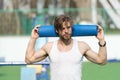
(14, 48)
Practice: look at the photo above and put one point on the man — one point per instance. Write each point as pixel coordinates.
(66, 54)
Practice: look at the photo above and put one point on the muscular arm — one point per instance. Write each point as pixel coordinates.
(99, 57)
(32, 55)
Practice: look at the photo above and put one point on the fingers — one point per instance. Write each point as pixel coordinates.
(99, 28)
(100, 34)
(36, 28)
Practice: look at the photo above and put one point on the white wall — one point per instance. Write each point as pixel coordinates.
(13, 48)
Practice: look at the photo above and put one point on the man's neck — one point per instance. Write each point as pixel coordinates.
(65, 42)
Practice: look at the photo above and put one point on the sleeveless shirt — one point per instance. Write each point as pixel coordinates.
(65, 65)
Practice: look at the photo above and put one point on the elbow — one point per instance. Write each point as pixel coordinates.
(29, 58)
(102, 62)
(28, 61)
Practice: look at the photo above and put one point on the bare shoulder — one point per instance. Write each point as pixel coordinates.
(83, 46)
(48, 46)
(82, 43)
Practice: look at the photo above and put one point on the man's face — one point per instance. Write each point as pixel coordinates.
(66, 31)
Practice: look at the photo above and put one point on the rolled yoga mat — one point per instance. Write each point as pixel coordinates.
(78, 30)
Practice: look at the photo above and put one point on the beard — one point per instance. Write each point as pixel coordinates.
(66, 37)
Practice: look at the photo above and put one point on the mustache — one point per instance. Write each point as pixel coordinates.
(67, 34)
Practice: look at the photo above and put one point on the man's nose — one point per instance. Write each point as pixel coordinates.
(66, 30)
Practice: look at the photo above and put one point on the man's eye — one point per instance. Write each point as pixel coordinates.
(68, 27)
(64, 28)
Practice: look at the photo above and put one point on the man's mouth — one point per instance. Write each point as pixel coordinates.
(66, 35)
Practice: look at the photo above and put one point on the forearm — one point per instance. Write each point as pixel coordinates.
(102, 51)
(30, 49)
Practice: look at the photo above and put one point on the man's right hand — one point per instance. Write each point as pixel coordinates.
(34, 33)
